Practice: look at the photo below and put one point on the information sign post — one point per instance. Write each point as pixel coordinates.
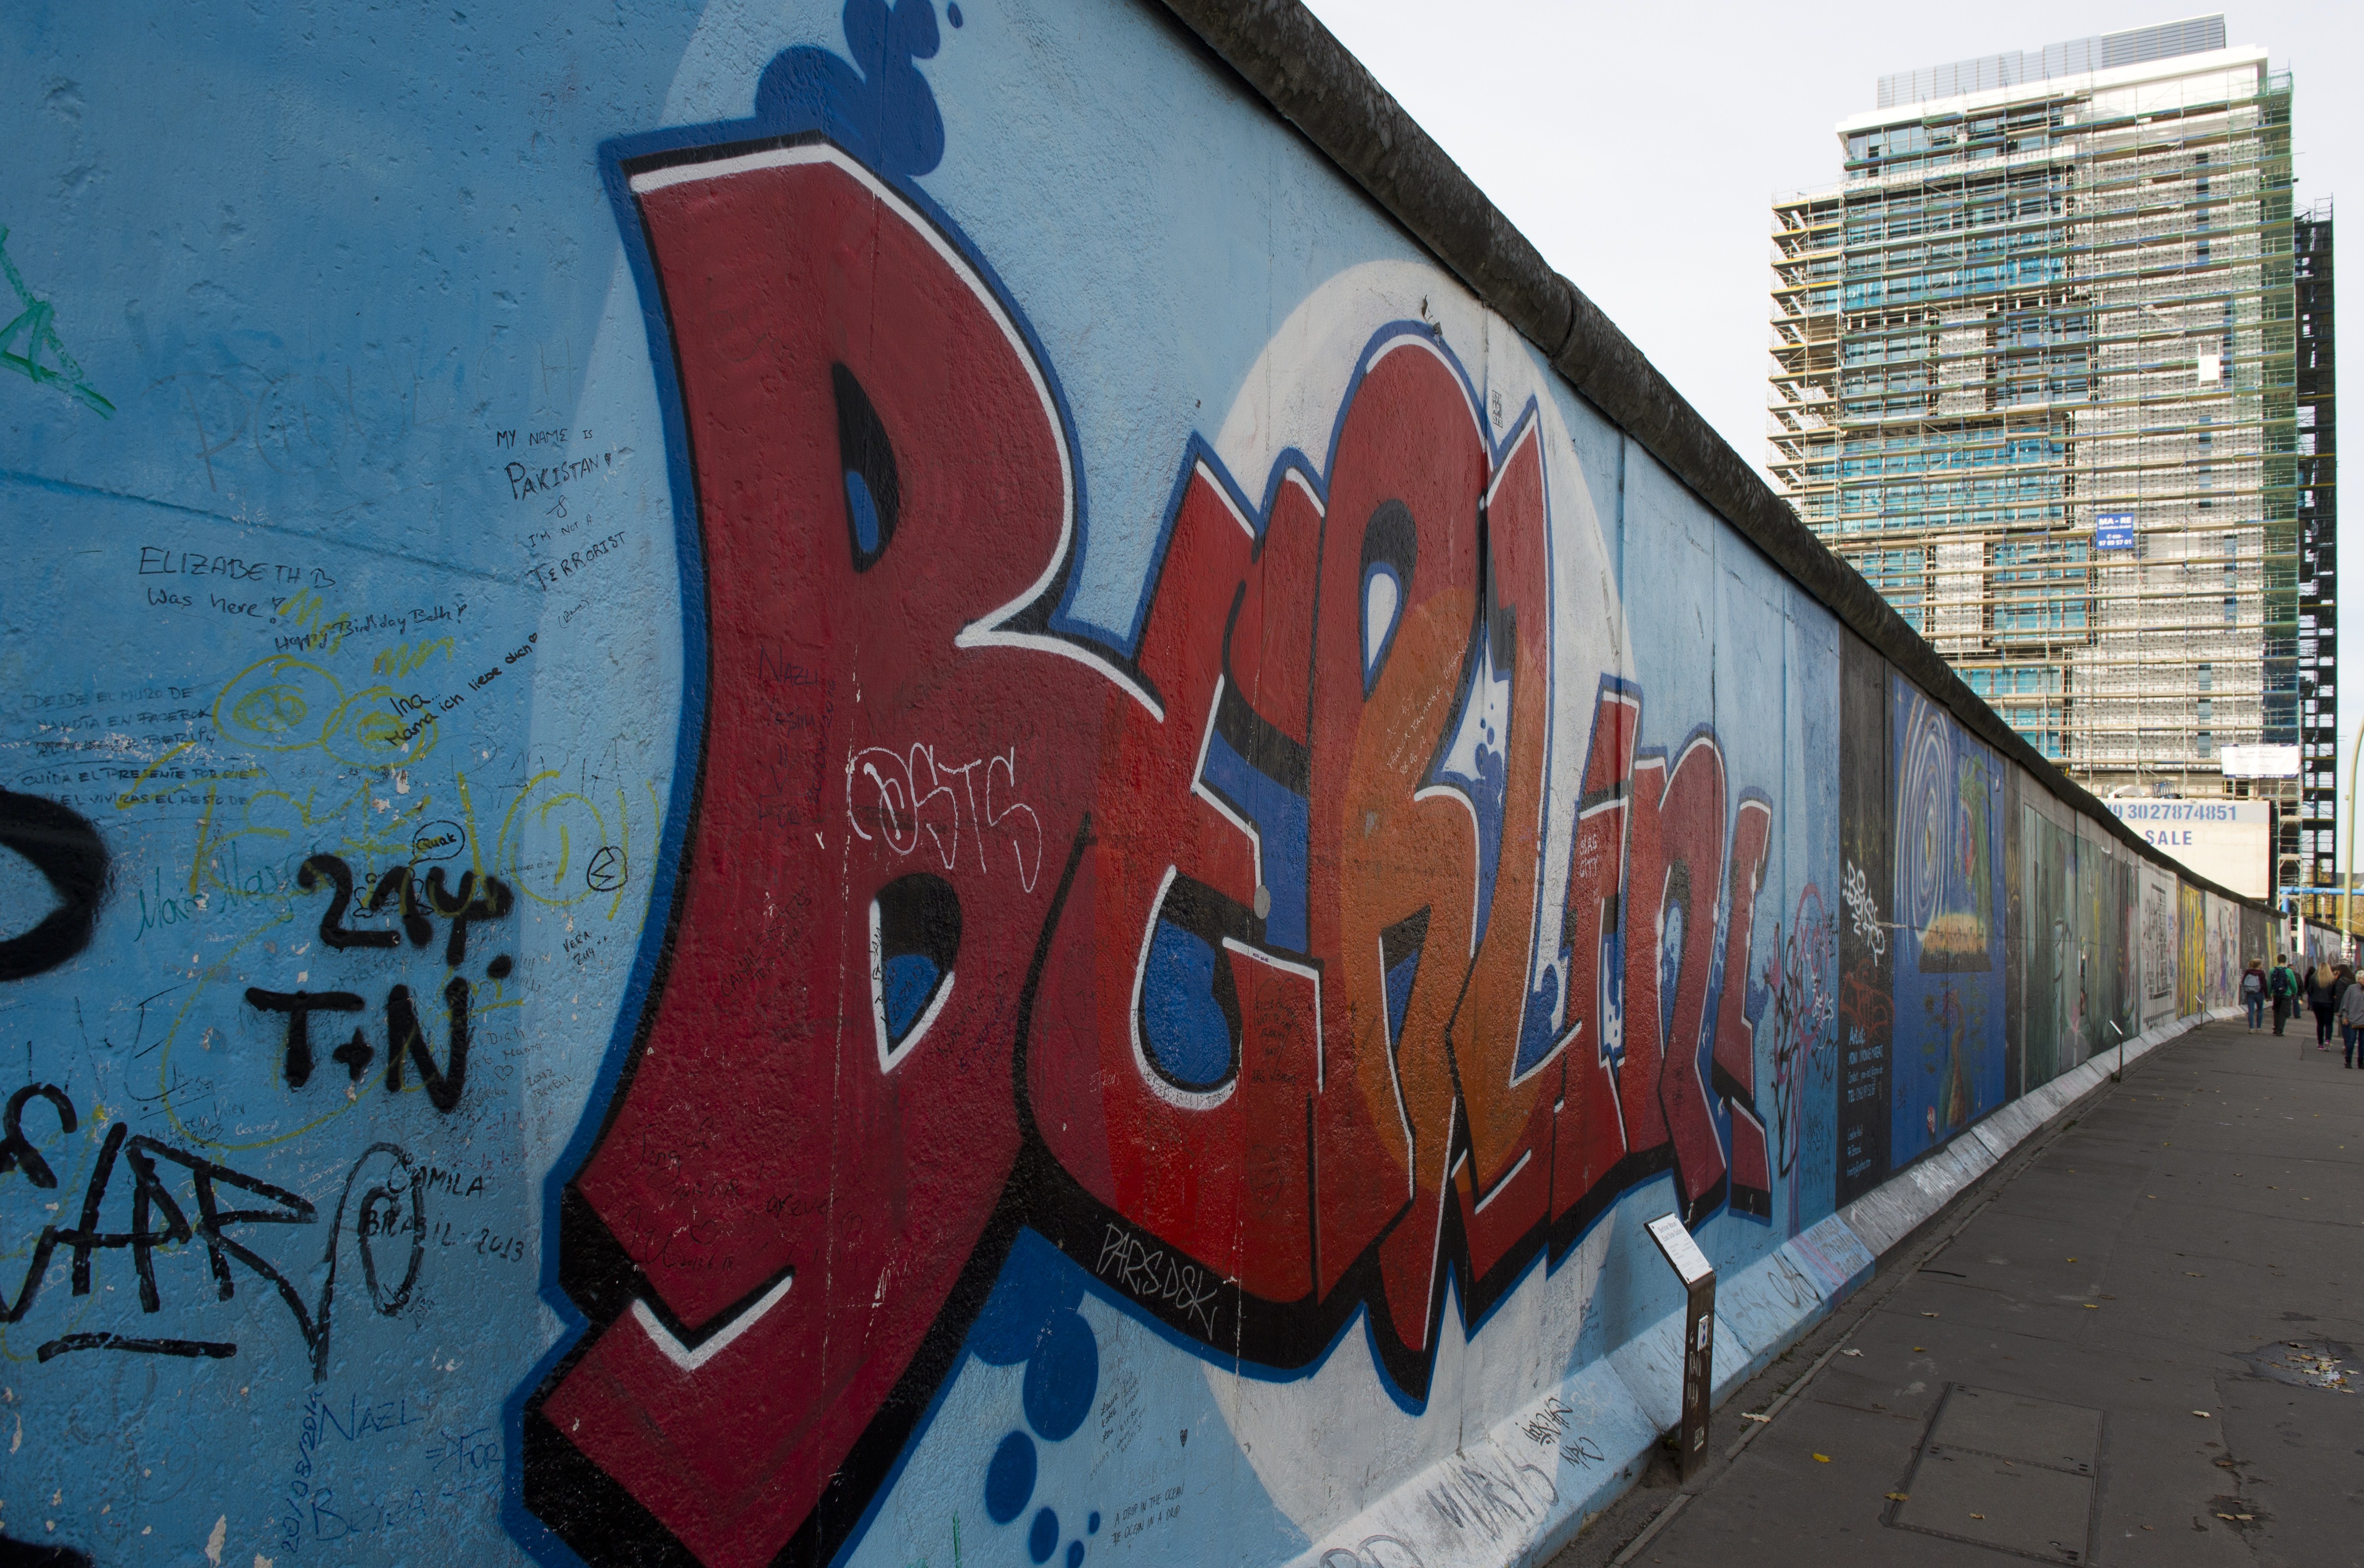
(1690, 1265)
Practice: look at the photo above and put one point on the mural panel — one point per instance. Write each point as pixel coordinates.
(1869, 934)
(1946, 829)
(2191, 949)
(2059, 990)
(2106, 884)
(2160, 945)
(2224, 918)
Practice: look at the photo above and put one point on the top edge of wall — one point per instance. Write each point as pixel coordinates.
(1310, 79)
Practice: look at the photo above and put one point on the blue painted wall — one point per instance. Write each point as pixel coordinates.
(857, 787)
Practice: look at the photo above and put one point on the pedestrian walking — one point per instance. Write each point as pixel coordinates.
(2283, 984)
(2321, 999)
(2253, 993)
(2351, 1017)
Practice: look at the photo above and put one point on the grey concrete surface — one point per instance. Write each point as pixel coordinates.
(2170, 1255)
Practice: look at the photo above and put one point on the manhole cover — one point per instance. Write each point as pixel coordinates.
(2005, 1471)
(2307, 1363)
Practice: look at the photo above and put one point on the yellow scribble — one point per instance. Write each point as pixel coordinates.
(404, 657)
(305, 609)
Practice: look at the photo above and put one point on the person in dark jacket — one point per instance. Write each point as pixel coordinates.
(2321, 999)
(2253, 993)
(2351, 1016)
(2283, 984)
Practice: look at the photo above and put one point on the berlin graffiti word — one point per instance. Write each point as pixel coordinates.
(1257, 931)
(390, 1205)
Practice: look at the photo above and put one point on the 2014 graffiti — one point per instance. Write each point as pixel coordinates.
(1289, 1031)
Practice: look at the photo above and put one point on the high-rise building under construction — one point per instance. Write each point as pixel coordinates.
(2053, 371)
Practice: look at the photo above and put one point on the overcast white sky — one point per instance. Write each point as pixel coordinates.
(1640, 145)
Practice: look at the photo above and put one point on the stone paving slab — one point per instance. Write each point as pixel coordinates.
(2205, 1210)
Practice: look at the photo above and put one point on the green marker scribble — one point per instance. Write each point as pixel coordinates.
(33, 332)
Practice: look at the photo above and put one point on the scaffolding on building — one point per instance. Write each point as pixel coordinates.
(2035, 375)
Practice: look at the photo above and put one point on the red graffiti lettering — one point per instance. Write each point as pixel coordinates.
(1210, 953)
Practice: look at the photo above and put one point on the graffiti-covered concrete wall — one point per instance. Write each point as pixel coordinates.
(794, 786)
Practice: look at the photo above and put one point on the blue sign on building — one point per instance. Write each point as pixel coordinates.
(2113, 530)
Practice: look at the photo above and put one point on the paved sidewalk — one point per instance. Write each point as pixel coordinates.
(2098, 1356)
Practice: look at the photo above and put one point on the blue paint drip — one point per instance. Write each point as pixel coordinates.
(1036, 1284)
(1093, 1526)
(910, 980)
(1612, 1002)
(1535, 1031)
(1400, 981)
(1043, 1538)
(1009, 1479)
(1284, 823)
(1670, 971)
(1182, 1028)
(864, 509)
(1075, 1554)
(885, 114)
(1477, 764)
(1061, 1377)
(952, 14)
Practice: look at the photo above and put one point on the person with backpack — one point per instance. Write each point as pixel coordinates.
(2323, 999)
(2351, 1016)
(2283, 984)
(2253, 993)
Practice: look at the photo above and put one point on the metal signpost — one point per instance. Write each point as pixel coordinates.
(1690, 1265)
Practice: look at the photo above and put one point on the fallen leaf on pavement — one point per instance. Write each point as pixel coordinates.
(1850, 1352)
(1900, 1496)
(1753, 1416)
(2202, 1414)
(1821, 1458)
